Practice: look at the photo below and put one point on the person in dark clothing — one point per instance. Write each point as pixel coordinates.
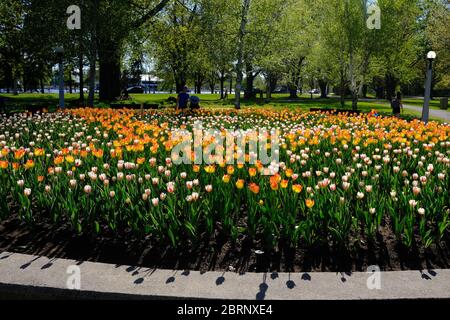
(183, 99)
(396, 104)
(195, 102)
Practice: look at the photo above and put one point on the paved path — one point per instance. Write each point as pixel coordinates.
(441, 114)
(30, 276)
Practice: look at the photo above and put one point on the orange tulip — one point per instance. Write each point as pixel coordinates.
(58, 160)
(3, 164)
(274, 186)
(275, 179)
(289, 173)
(83, 153)
(284, 184)
(254, 188)
(19, 154)
(98, 153)
(310, 203)
(274, 182)
(252, 172)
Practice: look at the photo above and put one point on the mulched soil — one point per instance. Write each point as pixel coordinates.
(216, 253)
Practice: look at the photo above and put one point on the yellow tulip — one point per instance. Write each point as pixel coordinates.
(240, 184)
(226, 178)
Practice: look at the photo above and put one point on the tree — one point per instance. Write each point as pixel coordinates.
(240, 51)
(172, 39)
(218, 36)
(438, 39)
(12, 16)
(297, 37)
(115, 21)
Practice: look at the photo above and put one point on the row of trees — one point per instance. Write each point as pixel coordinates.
(230, 43)
(31, 29)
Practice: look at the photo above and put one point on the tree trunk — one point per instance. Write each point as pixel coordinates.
(342, 89)
(269, 80)
(391, 85)
(364, 91)
(41, 84)
(109, 61)
(353, 82)
(15, 91)
(222, 78)
(180, 81)
(323, 85)
(81, 75)
(222, 87)
(92, 67)
(293, 92)
(355, 100)
(249, 92)
(271, 84)
(8, 78)
(241, 36)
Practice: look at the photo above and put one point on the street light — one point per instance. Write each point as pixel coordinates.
(426, 104)
(60, 52)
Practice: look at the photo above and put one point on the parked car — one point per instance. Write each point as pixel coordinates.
(282, 89)
(314, 91)
(137, 89)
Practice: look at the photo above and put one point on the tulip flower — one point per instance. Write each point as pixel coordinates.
(310, 203)
(254, 188)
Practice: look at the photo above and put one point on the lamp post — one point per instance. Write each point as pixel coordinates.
(60, 52)
(426, 104)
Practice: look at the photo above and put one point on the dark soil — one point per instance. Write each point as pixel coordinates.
(216, 253)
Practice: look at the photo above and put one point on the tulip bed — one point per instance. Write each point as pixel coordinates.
(341, 178)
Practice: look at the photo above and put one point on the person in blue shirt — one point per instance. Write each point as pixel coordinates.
(183, 99)
(195, 102)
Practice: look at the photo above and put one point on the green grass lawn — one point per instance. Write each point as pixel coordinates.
(213, 100)
(35, 98)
